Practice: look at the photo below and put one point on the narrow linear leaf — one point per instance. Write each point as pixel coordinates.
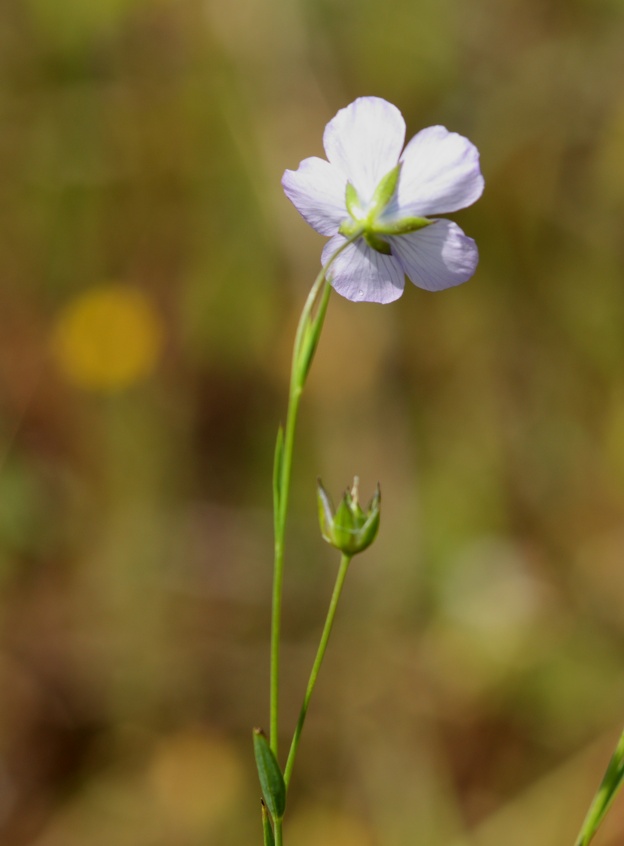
(270, 775)
(306, 353)
(267, 829)
(319, 317)
(312, 334)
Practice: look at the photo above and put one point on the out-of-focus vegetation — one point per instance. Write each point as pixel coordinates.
(151, 276)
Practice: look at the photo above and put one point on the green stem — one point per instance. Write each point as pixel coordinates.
(299, 369)
(281, 506)
(340, 578)
(278, 567)
(277, 833)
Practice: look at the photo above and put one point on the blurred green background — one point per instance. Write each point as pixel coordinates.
(152, 273)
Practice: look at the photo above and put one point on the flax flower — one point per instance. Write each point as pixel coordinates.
(384, 198)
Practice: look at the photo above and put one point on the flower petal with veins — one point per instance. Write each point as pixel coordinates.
(361, 274)
(437, 257)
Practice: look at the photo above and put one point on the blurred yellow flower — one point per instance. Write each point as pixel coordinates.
(107, 338)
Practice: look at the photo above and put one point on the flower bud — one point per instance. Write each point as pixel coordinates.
(348, 528)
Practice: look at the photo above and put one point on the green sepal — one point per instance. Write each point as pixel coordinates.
(378, 244)
(401, 227)
(349, 528)
(386, 188)
(350, 227)
(278, 461)
(325, 511)
(352, 201)
(267, 829)
(373, 231)
(270, 775)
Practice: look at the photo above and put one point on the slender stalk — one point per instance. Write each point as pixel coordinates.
(329, 622)
(319, 298)
(277, 833)
(278, 568)
(281, 506)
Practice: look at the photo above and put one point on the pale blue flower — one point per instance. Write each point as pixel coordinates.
(369, 186)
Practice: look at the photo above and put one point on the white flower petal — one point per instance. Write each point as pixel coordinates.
(364, 141)
(363, 275)
(317, 191)
(440, 174)
(436, 257)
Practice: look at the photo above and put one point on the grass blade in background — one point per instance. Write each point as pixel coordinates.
(605, 795)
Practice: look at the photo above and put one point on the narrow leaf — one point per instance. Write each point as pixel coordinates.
(271, 778)
(267, 829)
(311, 337)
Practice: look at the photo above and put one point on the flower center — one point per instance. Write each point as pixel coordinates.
(369, 219)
